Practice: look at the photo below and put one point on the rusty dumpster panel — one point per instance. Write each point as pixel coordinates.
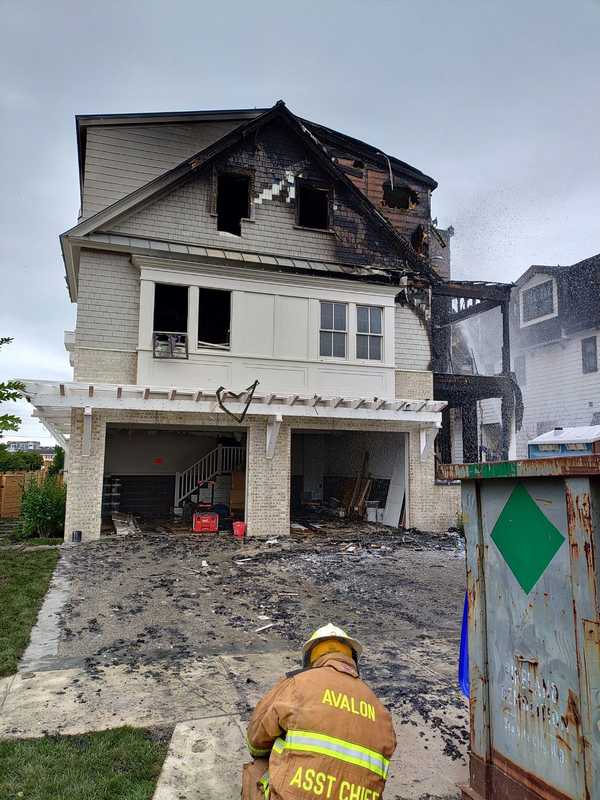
(532, 544)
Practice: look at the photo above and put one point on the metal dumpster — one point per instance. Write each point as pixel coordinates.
(533, 536)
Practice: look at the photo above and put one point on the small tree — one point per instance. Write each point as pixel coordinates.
(58, 462)
(9, 390)
(12, 462)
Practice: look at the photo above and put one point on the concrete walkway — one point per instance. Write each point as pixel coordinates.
(205, 759)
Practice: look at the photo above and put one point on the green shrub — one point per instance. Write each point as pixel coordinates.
(43, 508)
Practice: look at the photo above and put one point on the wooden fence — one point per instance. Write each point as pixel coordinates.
(11, 490)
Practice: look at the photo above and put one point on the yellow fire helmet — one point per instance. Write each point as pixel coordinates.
(330, 631)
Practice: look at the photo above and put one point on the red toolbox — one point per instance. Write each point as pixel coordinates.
(205, 522)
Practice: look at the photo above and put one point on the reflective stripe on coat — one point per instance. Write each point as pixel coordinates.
(328, 735)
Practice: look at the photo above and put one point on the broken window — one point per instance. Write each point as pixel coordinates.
(233, 202)
(312, 203)
(170, 321)
(214, 318)
(537, 301)
(399, 196)
(369, 332)
(589, 355)
(334, 327)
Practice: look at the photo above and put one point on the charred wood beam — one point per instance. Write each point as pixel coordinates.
(471, 311)
(505, 338)
(498, 292)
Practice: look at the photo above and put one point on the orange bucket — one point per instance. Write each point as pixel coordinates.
(239, 530)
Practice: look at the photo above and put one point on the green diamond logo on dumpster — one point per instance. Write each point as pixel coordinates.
(526, 538)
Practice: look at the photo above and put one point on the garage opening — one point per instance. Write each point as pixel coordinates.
(349, 476)
(172, 473)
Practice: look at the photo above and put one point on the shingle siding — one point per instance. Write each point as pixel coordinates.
(120, 159)
(412, 347)
(185, 214)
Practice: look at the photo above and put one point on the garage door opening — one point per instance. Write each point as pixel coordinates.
(355, 476)
(170, 473)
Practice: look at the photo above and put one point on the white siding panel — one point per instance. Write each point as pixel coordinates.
(291, 326)
(253, 315)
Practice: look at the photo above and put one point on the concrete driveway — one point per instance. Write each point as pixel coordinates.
(157, 629)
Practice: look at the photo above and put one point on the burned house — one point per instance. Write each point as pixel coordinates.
(254, 299)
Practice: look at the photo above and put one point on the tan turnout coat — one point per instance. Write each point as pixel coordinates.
(322, 735)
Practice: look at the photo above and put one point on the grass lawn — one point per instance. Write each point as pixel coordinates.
(120, 764)
(24, 579)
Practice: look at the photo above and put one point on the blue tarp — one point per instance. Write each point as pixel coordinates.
(463, 658)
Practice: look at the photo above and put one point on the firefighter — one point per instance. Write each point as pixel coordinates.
(320, 733)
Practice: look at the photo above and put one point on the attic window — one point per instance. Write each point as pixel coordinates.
(214, 318)
(401, 196)
(233, 202)
(313, 206)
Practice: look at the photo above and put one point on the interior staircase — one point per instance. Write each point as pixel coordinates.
(220, 461)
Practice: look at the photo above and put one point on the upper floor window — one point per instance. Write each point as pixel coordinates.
(369, 332)
(169, 338)
(312, 203)
(214, 318)
(334, 330)
(538, 301)
(233, 202)
(589, 355)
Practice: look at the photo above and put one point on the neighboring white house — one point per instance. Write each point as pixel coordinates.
(555, 325)
(236, 277)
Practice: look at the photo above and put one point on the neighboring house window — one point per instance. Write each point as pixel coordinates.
(312, 203)
(538, 301)
(589, 355)
(233, 202)
(520, 370)
(214, 318)
(334, 329)
(369, 332)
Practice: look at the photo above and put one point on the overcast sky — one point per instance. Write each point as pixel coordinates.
(499, 100)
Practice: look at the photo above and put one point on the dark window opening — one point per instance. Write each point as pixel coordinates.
(537, 301)
(233, 202)
(359, 164)
(402, 197)
(170, 308)
(589, 355)
(169, 338)
(313, 206)
(214, 318)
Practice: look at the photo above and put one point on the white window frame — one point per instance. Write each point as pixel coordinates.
(333, 330)
(537, 281)
(369, 334)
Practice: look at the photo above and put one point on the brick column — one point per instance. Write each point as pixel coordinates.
(84, 478)
(268, 481)
(432, 507)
